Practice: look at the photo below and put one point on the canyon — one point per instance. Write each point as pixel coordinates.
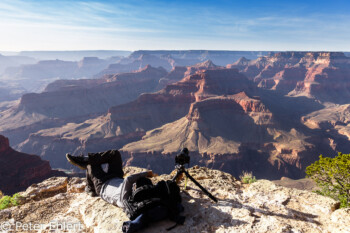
(34, 77)
(272, 115)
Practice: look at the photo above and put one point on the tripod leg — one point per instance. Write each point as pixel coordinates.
(201, 187)
(179, 172)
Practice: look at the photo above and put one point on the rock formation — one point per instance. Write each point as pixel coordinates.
(136, 64)
(51, 109)
(170, 59)
(129, 122)
(210, 127)
(320, 75)
(34, 77)
(218, 113)
(229, 122)
(206, 65)
(75, 55)
(19, 170)
(191, 57)
(227, 133)
(179, 72)
(328, 79)
(333, 119)
(176, 74)
(11, 61)
(9, 92)
(258, 207)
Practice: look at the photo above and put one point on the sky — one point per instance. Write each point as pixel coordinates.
(267, 25)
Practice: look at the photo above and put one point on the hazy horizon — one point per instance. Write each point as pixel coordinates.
(224, 50)
(174, 25)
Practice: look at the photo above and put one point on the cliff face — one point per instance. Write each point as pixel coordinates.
(334, 119)
(218, 114)
(326, 83)
(87, 99)
(96, 98)
(321, 75)
(128, 122)
(191, 57)
(259, 207)
(176, 74)
(19, 170)
(34, 77)
(226, 119)
(207, 83)
(179, 72)
(4, 144)
(227, 133)
(200, 131)
(10, 61)
(130, 64)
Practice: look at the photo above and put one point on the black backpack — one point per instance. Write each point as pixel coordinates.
(145, 196)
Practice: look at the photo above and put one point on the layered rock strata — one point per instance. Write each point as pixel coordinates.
(19, 170)
(320, 75)
(55, 108)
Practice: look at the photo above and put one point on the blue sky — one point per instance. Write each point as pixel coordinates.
(140, 24)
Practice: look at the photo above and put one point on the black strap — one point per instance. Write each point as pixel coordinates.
(143, 192)
(180, 221)
(170, 228)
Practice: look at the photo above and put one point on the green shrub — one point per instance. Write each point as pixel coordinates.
(332, 176)
(16, 199)
(8, 201)
(5, 202)
(247, 177)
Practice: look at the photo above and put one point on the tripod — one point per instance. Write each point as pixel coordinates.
(181, 169)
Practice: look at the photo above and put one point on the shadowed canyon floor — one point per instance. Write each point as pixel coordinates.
(19, 170)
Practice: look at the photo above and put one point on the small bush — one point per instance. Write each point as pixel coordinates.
(8, 201)
(5, 202)
(247, 177)
(332, 176)
(16, 199)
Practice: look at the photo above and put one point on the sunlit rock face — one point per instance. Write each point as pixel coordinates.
(247, 116)
(258, 207)
(220, 115)
(75, 101)
(231, 125)
(320, 75)
(128, 122)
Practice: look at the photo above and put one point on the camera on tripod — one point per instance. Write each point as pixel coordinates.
(182, 158)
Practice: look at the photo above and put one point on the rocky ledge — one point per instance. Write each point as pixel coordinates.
(258, 207)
